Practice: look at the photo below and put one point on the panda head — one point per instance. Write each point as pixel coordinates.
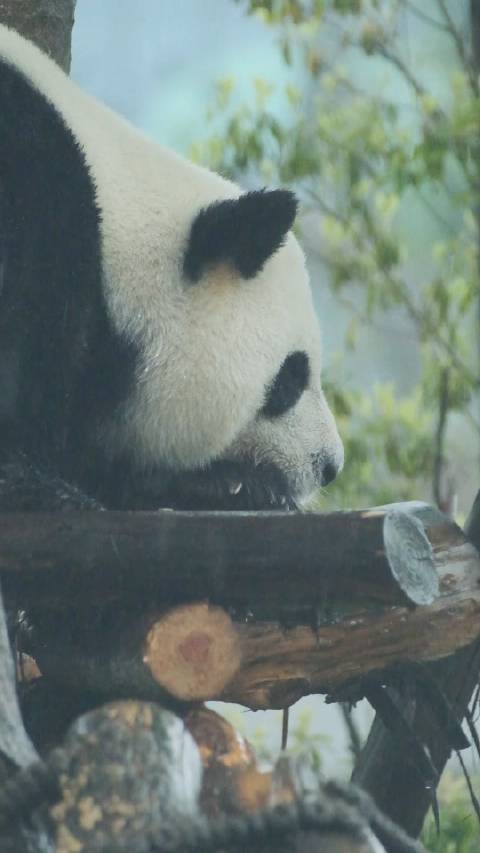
(229, 390)
(186, 352)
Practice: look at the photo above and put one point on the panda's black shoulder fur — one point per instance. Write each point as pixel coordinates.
(61, 362)
(65, 368)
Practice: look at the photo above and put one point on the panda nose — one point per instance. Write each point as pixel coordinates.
(325, 468)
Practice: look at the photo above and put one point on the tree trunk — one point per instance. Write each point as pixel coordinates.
(48, 23)
(327, 627)
(268, 561)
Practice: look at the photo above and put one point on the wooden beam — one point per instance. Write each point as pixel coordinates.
(105, 642)
(272, 560)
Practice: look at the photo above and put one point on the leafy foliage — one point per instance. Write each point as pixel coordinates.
(365, 164)
(459, 826)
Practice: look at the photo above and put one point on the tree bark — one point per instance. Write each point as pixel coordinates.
(266, 560)
(133, 647)
(48, 23)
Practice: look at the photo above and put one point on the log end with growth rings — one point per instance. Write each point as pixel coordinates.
(410, 556)
(193, 651)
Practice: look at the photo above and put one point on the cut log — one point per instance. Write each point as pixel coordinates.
(193, 651)
(134, 651)
(267, 560)
(189, 653)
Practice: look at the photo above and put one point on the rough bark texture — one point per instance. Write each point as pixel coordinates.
(262, 663)
(268, 561)
(48, 23)
(383, 768)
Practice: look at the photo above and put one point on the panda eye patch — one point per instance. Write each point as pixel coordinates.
(288, 385)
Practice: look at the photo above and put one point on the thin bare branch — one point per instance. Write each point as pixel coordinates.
(422, 321)
(443, 410)
(460, 46)
(419, 13)
(401, 66)
(354, 738)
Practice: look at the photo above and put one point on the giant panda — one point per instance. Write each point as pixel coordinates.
(158, 342)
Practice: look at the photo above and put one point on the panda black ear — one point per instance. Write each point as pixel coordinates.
(243, 232)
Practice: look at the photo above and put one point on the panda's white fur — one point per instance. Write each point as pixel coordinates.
(208, 350)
